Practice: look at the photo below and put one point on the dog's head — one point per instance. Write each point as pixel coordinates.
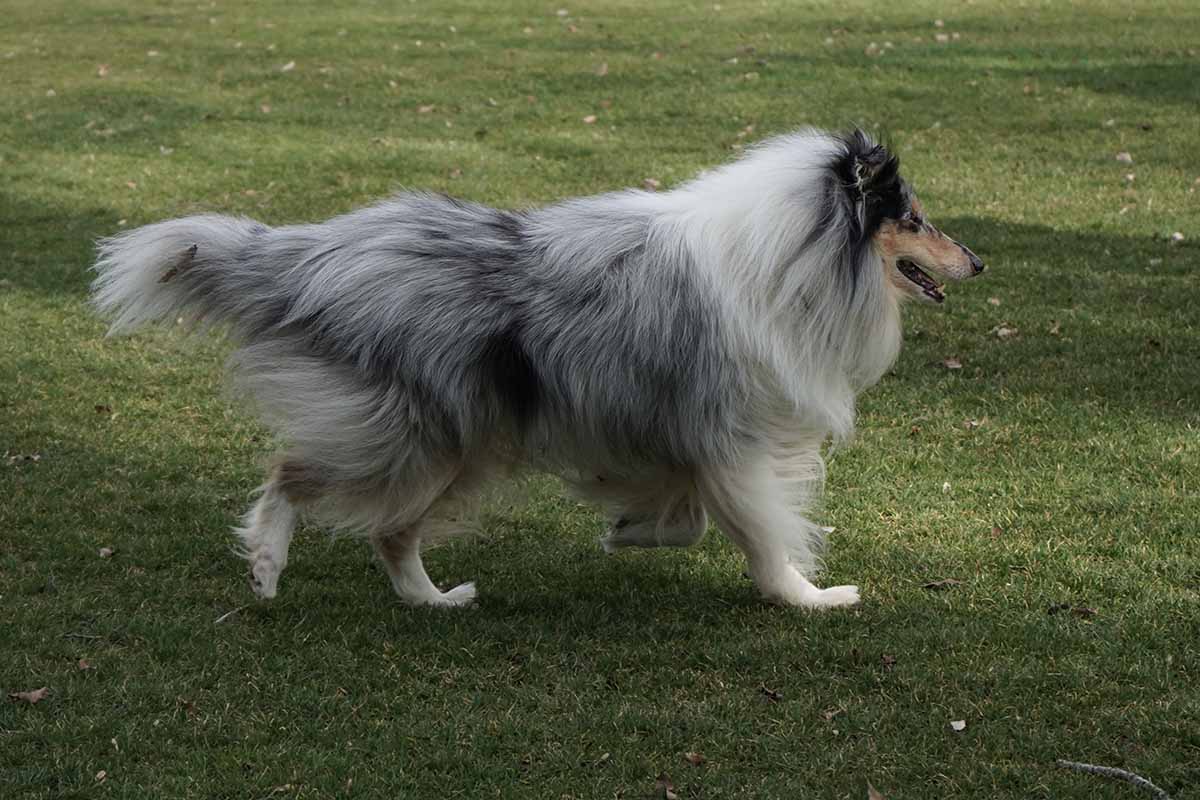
(916, 256)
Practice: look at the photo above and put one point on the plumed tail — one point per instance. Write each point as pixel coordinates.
(193, 267)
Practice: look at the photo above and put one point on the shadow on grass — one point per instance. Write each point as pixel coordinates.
(49, 249)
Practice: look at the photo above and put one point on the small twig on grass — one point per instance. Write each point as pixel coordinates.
(227, 615)
(81, 636)
(1118, 774)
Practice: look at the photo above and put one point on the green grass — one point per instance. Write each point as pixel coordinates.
(580, 675)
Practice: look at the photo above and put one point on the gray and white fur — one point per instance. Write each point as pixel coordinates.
(670, 355)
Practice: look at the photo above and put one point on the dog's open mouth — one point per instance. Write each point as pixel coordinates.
(928, 285)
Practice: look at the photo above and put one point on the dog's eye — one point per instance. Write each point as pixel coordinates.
(910, 223)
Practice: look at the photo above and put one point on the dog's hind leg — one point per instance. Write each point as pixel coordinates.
(401, 555)
(752, 507)
(266, 530)
(679, 523)
(438, 511)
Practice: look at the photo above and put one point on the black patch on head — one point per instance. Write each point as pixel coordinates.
(866, 189)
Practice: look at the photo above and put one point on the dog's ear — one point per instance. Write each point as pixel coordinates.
(871, 166)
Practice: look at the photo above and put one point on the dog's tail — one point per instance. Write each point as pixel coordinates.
(198, 268)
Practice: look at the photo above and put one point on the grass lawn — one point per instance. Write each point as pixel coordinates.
(1057, 471)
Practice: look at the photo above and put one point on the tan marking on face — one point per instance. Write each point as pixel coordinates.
(925, 246)
(917, 240)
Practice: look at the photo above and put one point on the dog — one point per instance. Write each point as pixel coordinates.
(670, 355)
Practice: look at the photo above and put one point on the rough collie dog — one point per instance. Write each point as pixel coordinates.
(669, 355)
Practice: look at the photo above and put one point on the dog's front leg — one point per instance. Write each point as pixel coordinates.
(751, 505)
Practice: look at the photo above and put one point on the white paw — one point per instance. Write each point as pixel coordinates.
(834, 596)
(460, 596)
(610, 543)
(264, 577)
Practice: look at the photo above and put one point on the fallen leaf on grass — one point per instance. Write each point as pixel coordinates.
(770, 694)
(958, 725)
(942, 584)
(106, 552)
(102, 71)
(651, 184)
(589, 119)
(995, 301)
(888, 661)
(288, 67)
(601, 70)
(1124, 157)
(997, 531)
(22, 457)
(31, 697)
(952, 363)
(972, 424)
(695, 759)
(1083, 612)
(829, 713)
(1004, 331)
(872, 792)
(664, 788)
(83, 664)
(1055, 328)
(1177, 236)
(102, 776)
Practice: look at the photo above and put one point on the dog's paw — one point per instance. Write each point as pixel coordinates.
(460, 596)
(834, 597)
(264, 578)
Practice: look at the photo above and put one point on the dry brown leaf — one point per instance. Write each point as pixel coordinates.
(1124, 157)
(32, 696)
(102, 776)
(995, 301)
(942, 584)
(425, 109)
(1004, 331)
(997, 531)
(770, 694)
(664, 788)
(265, 108)
(952, 363)
(1055, 329)
(601, 70)
(695, 759)
(83, 664)
(651, 184)
(589, 119)
(888, 661)
(102, 71)
(106, 552)
(872, 792)
(829, 713)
